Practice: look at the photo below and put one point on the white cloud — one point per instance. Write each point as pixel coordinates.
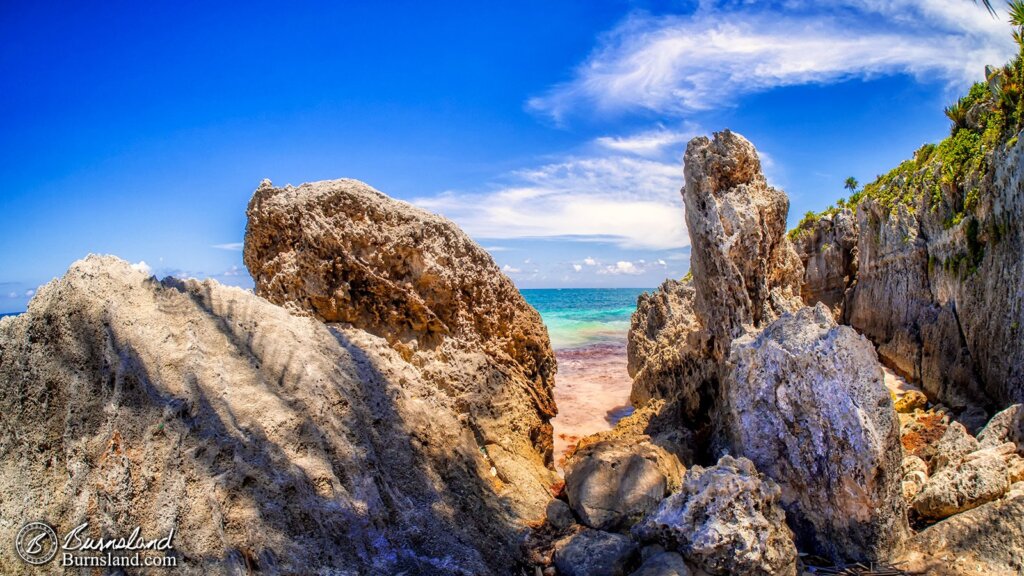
(676, 64)
(29, 293)
(12, 294)
(231, 246)
(497, 248)
(650, 142)
(590, 261)
(510, 270)
(577, 267)
(629, 201)
(233, 271)
(141, 266)
(623, 267)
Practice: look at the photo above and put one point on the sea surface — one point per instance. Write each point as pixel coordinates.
(588, 332)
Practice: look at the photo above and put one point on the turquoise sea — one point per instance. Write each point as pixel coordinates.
(581, 317)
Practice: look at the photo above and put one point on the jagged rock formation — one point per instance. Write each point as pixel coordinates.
(937, 266)
(725, 519)
(347, 253)
(274, 441)
(804, 400)
(745, 273)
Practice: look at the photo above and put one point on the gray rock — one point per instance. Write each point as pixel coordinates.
(1006, 426)
(663, 564)
(725, 519)
(955, 443)
(559, 515)
(616, 482)
(595, 553)
(805, 401)
(828, 249)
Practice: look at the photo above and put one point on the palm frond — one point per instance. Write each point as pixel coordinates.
(988, 6)
(957, 113)
(1016, 10)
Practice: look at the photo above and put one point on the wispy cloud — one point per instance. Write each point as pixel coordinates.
(626, 267)
(625, 200)
(231, 246)
(679, 64)
(650, 142)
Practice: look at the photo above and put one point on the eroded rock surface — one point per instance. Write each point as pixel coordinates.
(595, 553)
(267, 438)
(804, 400)
(828, 250)
(347, 253)
(725, 519)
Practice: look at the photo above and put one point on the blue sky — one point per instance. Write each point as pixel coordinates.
(551, 131)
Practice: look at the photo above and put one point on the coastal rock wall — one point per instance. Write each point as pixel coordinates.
(828, 251)
(938, 275)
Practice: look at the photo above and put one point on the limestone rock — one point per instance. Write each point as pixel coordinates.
(745, 270)
(725, 519)
(663, 564)
(616, 482)
(828, 250)
(955, 444)
(986, 540)
(910, 401)
(968, 484)
(595, 553)
(348, 254)
(259, 434)
(667, 349)
(804, 400)
(559, 515)
(1006, 426)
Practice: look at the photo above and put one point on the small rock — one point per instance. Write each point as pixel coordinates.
(912, 400)
(1006, 426)
(913, 483)
(559, 515)
(914, 464)
(1015, 467)
(616, 482)
(663, 564)
(725, 519)
(969, 484)
(595, 553)
(953, 446)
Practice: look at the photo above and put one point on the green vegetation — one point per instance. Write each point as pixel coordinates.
(950, 174)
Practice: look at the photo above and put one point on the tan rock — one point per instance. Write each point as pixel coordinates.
(910, 401)
(347, 253)
(968, 484)
(955, 444)
(1006, 426)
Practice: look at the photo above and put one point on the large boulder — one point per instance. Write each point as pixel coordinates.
(972, 481)
(348, 254)
(271, 439)
(1006, 426)
(725, 519)
(805, 401)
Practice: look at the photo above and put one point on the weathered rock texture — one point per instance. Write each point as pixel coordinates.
(349, 254)
(828, 250)
(745, 273)
(805, 401)
(273, 440)
(595, 553)
(726, 519)
(937, 276)
(985, 541)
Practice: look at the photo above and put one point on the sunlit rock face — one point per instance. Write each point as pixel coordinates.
(346, 253)
(804, 400)
(745, 273)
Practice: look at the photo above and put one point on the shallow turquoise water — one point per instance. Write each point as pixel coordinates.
(581, 317)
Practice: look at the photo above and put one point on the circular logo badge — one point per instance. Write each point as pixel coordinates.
(36, 543)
